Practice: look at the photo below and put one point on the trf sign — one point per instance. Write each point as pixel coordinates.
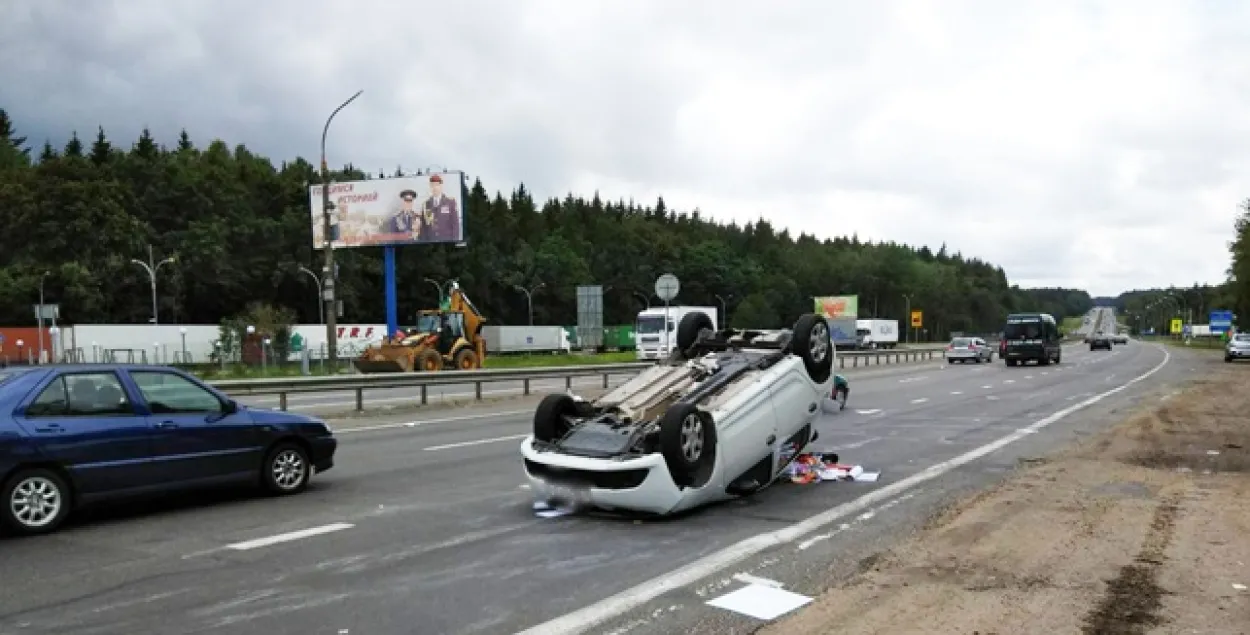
(916, 319)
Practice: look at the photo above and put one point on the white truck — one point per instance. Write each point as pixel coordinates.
(874, 334)
(503, 340)
(650, 334)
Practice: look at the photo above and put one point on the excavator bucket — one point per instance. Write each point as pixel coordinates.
(387, 358)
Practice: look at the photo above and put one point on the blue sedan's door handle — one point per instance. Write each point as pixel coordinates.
(51, 427)
(166, 425)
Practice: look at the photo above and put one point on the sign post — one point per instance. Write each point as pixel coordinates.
(917, 320)
(666, 288)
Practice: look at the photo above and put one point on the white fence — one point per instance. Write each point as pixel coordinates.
(186, 343)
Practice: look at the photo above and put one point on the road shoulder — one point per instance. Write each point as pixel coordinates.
(1140, 526)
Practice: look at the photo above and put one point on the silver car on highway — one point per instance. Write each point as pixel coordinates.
(1238, 347)
(968, 349)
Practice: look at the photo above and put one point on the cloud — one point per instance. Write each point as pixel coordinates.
(1091, 144)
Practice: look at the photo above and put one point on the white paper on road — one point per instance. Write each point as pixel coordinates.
(760, 601)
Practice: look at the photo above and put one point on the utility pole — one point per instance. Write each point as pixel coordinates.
(529, 296)
(152, 268)
(39, 314)
(907, 319)
(328, 286)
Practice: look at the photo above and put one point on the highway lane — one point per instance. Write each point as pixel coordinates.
(429, 530)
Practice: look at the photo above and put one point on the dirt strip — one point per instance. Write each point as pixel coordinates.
(1142, 529)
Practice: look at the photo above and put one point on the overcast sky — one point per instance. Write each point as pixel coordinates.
(1098, 145)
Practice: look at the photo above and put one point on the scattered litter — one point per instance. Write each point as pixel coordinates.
(760, 601)
(816, 466)
(1239, 587)
(1213, 452)
(544, 509)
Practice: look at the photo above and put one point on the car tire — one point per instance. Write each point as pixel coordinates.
(693, 327)
(1228, 359)
(287, 469)
(813, 343)
(49, 488)
(550, 424)
(688, 444)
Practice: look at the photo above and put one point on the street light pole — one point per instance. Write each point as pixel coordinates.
(39, 313)
(645, 300)
(331, 319)
(724, 312)
(152, 268)
(529, 296)
(438, 286)
(907, 319)
(321, 304)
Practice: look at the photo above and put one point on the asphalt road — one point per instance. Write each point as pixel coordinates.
(426, 527)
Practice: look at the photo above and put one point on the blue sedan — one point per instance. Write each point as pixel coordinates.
(75, 434)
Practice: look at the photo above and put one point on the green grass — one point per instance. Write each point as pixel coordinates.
(1072, 324)
(1197, 343)
(543, 361)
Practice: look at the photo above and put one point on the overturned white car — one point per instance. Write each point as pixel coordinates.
(722, 418)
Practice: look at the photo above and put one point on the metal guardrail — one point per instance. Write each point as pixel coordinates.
(359, 383)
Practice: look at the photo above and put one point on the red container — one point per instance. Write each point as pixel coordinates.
(29, 337)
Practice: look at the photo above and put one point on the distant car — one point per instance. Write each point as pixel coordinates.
(1119, 338)
(968, 349)
(723, 417)
(1238, 347)
(75, 434)
(1100, 341)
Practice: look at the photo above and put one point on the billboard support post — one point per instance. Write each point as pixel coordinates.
(332, 318)
(392, 303)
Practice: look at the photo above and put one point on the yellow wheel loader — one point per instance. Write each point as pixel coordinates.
(446, 338)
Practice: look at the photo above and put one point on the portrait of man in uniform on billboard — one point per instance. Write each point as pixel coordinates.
(441, 213)
(405, 219)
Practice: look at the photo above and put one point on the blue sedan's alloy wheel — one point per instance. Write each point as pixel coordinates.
(36, 501)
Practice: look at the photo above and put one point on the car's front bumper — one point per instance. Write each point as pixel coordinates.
(638, 484)
(1237, 353)
(322, 452)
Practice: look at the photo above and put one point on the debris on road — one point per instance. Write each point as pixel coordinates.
(818, 466)
(761, 601)
(1106, 536)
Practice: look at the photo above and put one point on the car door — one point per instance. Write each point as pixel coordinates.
(749, 431)
(795, 406)
(85, 422)
(195, 437)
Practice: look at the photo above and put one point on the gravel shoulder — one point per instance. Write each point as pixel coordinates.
(1139, 529)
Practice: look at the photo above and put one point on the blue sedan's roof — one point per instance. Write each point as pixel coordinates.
(97, 367)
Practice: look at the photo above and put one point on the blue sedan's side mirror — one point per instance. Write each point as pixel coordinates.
(230, 407)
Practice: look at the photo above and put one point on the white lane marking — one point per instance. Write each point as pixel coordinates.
(608, 608)
(1045, 372)
(991, 397)
(1028, 377)
(751, 579)
(911, 379)
(448, 446)
(987, 387)
(1009, 381)
(420, 422)
(920, 400)
(858, 444)
(869, 412)
(289, 536)
(956, 392)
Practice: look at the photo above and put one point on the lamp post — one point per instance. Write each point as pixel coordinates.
(153, 268)
(645, 300)
(438, 286)
(724, 312)
(321, 304)
(332, 338)
(182, 331)
(55, 333)
(39, 311)
(907, 318)
(529, 296)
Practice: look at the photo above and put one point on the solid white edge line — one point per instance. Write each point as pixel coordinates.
(421, 422)
(289, 536)
(608, 608)
(462, 444)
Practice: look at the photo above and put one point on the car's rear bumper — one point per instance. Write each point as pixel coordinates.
(1235, 353)
(640, 484)
(961, 354)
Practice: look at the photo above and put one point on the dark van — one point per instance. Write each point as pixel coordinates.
(1031, 336)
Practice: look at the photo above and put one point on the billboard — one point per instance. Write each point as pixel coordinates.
(836, 306)
(1221, 321)
(404, 210)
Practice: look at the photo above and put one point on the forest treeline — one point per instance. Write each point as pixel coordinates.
(238, 226)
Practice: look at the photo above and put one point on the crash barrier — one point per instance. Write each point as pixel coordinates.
(359, 383)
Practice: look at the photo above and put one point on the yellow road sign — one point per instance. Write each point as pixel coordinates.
(916, 320)
(1177, 326)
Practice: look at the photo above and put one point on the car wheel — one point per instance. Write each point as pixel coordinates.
(466, 359)
(812, 343)
(688, 444)
(287, 469)
(36, 501)
(550, 423)
(1228, 359)
(693, 327)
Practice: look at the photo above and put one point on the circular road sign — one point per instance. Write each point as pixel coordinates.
(667, 286)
